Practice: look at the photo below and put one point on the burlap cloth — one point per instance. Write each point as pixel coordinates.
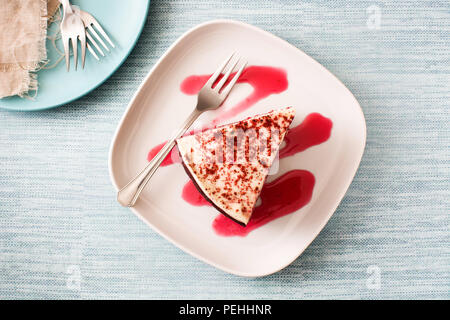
(23, 32)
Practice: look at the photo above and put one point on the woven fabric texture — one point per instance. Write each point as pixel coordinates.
(63, 235)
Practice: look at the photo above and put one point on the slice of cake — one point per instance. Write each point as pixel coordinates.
(230, 163)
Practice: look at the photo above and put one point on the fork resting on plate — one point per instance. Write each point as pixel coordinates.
(210, 97)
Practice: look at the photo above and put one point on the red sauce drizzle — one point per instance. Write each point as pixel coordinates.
(191, 195)
(264, 80)
(171, 158)
(314, 130)
(287, 193)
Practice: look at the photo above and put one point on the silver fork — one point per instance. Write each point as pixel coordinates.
(72, 30)
(209, 98)
(89, 23)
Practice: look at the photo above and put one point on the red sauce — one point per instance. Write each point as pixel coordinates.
(285, 195)
(289, 192)
(264, 80)
(192, 196)
(314, 130)
(171, 158)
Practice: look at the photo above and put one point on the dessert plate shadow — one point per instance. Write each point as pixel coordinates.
(159, 106)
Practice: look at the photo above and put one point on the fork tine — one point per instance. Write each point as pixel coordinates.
(227, 90)
(83, 49)
(75, 49)
(98, 37)
(88, 35)
(65, 41)
(213, 78)
(225, 77)
(92, 51)
(103, 33)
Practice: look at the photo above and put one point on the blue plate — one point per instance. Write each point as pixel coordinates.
(123, 21)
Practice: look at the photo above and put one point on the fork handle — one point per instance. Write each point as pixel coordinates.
(128, 195)
(66, 6)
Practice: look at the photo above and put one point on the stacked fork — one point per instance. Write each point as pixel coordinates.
(75, 26)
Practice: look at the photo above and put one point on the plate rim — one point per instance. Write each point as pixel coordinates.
(82, 94)
(322, 224)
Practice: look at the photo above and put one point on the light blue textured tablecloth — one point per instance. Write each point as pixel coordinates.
(60, 223)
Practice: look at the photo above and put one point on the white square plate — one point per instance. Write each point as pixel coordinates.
(159, 107)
